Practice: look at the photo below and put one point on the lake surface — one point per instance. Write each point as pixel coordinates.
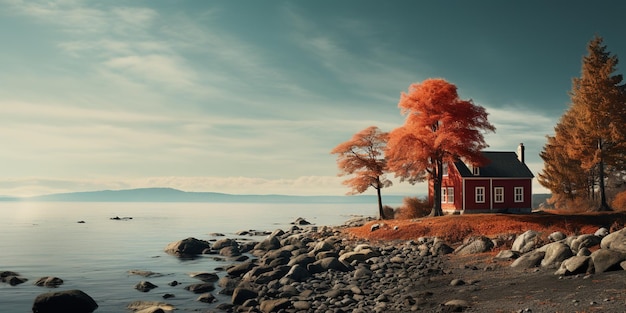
(45, 239)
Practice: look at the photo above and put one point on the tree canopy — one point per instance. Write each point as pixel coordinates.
(439, 128)
(363, 157)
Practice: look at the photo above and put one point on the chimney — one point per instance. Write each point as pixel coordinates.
(520, 152)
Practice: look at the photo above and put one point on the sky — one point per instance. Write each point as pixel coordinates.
(249, 97)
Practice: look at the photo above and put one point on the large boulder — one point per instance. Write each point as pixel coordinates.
(584, 241)
(615, 241)
(186, 247)
(574, 265)
(529, 260)
(526, 241)
(605, 259)
(475, 245)
(74, 301)
(556, 252)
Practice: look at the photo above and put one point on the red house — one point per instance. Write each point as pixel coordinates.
(504, 184)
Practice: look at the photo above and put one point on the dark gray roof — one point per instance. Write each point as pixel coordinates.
(501, 164)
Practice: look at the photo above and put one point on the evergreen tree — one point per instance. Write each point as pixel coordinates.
(599, 105)
(590, 139)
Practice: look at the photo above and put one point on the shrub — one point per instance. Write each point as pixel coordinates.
(619, 202)
(413, 207)
(388, 212)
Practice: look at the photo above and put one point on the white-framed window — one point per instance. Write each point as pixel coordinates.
(450, 194)
(480, 195)
(519, 194)
(444, 195)
(498, 194)
(445, 169)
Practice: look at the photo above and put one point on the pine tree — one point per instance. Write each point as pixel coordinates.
(590, 140)
(599, 107)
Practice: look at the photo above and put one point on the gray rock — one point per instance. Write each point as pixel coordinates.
(359, 256)
(322, 246)
(615, 241)
(475, 245)
(574, 265)
(529, 260)
(555, 253)
(457, 282)
(439, 247)
(556, 236)
(228, 242)
(206, 277)
(150, 306)
(270, 243)
(231, 251)
(302, 305)
(274, 305)
(189, 246)
(240, 269)
(507, 255)
(300, 221)
(49, 281)
(298, 273)
(605, 259)
(145, 286)
(601, 232)
(228, 285)
(206, 298)
(152, 309)
(331, 264)
(458, 304)
(74, 301)
(584, 241)
(200, 288)
(526, 241)
(241, 294)
(362, 272)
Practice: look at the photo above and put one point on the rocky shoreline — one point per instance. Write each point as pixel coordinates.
(323, 269)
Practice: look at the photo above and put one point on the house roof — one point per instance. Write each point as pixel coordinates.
(502, 164)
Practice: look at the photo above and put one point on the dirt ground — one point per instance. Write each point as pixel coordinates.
(493, 286)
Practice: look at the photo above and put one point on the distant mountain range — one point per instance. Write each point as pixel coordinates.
(175, 195)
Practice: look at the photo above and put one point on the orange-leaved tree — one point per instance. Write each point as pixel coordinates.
(363, 157)
(599, 106)
(440, 128)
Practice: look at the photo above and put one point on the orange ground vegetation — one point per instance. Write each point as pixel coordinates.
(455, 228)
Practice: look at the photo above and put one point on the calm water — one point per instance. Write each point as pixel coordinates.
(44, 239)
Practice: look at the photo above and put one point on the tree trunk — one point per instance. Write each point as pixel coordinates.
(381, 211)
(604, 206)
(437, 211)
